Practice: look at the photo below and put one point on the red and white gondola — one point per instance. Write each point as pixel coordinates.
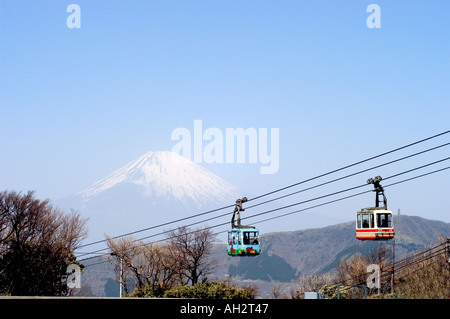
(375, 223)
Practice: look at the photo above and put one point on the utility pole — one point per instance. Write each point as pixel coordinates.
(393, 267)
(120, 276)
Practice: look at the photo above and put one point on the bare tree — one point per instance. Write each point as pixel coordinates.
(37, 242)
(124, 249)
(149, 265)
(311, 283)
(427, 274)
(352, 271)
(381, 255)
(156, 267)
(191, 250)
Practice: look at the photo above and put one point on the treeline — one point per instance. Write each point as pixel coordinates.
(176, 268)
(179, 268)
(37, 242)
(423, 276)
(426, 275)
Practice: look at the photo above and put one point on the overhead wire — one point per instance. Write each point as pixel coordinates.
(353, 164)
(295, 204)
(342, 198)
(299, 203)
(435, 251)
(409, 261)
(290, 186)
(306, 201)
(351, 175)
(347, 197)
(297, 211)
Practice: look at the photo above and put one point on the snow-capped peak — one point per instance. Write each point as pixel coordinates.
(165, 174)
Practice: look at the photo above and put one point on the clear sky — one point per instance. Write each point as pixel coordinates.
(78, 103)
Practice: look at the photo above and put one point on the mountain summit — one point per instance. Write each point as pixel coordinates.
(167, 175)
(157, 188)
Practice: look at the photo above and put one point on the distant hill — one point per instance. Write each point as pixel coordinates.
(287, 255)
(316, 250)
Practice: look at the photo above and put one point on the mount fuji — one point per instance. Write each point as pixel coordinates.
(156, 188)
(166, 175)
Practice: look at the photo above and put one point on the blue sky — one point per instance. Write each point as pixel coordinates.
(77, 104)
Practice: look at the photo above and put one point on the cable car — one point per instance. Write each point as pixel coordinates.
(242, 240)
(375, 223)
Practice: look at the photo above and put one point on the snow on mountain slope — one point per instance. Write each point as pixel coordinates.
(165, 174)
(157, 188)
